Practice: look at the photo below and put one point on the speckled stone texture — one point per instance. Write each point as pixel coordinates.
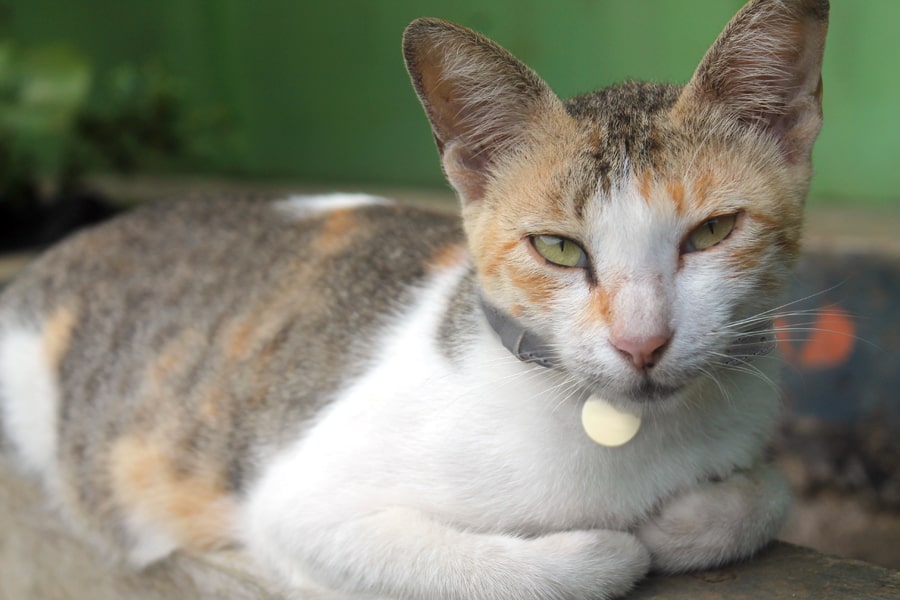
(41, 560)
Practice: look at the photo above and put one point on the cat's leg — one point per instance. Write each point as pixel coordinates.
(402, 553)
(717, 522)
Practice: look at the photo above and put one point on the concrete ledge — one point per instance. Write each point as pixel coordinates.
(781, 572)
(41, 560)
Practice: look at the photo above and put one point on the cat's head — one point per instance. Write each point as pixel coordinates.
(641, 229)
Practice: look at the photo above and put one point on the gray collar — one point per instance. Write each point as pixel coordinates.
(525, 345)
(529, 347)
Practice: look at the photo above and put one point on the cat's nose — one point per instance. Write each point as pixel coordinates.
(643, 352)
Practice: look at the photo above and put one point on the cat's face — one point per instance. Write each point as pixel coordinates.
(606, 257)
(639, 230)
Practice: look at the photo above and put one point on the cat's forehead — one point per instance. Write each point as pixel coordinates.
(625, 125)
(624, 105)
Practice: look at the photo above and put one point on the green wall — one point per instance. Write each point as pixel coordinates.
(318, 90)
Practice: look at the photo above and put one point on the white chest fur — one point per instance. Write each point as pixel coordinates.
(497, 445)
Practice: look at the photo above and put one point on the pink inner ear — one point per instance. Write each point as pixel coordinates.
(478, 97)
(466, 170)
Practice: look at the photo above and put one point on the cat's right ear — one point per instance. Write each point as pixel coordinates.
(478, 97)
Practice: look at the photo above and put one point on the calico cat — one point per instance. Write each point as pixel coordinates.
(375, 400)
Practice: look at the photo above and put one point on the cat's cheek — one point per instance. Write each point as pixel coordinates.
(706, 295)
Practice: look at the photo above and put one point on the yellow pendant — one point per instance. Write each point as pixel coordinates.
(607, 425)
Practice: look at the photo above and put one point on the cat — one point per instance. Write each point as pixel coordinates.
(374, 400)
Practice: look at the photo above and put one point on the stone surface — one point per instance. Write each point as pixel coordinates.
(781, 572)
(41, 560)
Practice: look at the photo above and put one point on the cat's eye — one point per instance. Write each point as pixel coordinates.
(559, 250)
(709, 233)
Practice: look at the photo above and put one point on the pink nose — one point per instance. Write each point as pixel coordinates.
(643, 352)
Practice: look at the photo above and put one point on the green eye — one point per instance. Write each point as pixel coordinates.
(710, 233)
(559, 250)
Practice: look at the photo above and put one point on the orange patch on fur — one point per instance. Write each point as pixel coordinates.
(165, 366)
(58, 335)
(497, 255)
(211, 405)
(599, 308)
(645, 185)
(676, 193)
(192, 507)
(701, 188)
(175, 356)
(336, 230)
(246, 335)
(538, 289)
(787, 229)
(448, 256)
(745, 258)
(239, 340)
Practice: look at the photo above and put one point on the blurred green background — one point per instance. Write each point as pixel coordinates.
(316, 91)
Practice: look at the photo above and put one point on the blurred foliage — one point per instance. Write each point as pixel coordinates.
(60, 119)
(41, 90)
(136, 118)
(40, 94)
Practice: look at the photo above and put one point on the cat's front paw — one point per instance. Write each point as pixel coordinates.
(718, 522)
(597, 564)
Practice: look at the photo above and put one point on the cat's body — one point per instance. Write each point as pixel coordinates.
(316, 379)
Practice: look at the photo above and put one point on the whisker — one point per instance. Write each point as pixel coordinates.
(803, 299)
(711, 376)
(743, 366)
(572, 389)
(836, 332)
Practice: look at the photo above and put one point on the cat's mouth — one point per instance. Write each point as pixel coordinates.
(652, 391)
(646, 391)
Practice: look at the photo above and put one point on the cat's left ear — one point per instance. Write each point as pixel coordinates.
(479, 99)
(765, 70)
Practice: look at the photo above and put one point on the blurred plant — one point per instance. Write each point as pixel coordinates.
(59, 120)
(40, 93)
(136, 119)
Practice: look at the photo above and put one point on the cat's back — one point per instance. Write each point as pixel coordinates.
(178, 289)
(187, 249)
(171, 343)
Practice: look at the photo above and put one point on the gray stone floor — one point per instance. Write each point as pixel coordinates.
(41, 560)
